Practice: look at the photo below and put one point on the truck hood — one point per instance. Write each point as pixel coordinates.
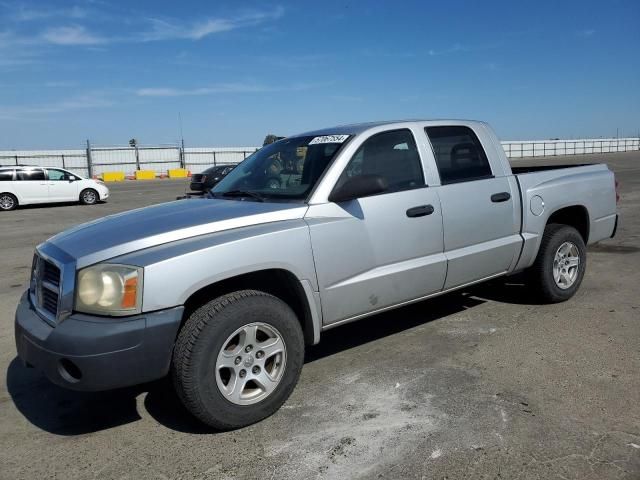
(147, 227)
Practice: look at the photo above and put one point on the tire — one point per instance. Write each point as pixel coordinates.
(547, 285)
(8, 202)
(89, 196)
(208, 340)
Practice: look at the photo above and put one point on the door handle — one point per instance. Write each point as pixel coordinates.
(500, 197)
(420, 211)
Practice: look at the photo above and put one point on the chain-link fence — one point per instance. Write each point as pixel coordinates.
(93, 160)
(546, 148)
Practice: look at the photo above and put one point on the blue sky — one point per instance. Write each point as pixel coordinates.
(235, 71)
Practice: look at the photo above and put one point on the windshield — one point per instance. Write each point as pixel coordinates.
(287, 170)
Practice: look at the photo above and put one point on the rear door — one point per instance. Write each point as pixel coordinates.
(61, 188)
(378, 251)
(481, 238)
(31, 185)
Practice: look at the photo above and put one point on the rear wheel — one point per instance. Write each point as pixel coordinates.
(238, 358)
(8, 201)
(560, 265)
(89, 196)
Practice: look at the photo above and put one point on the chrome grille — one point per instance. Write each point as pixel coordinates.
(45, 287)
(50, 301)
(51, 274)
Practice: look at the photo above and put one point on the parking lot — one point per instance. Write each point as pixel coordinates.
(479, 383)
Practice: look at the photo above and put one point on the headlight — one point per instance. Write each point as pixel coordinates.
(109, 289)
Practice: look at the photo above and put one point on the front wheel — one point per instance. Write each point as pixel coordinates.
(560, 265)
(238, 358)
(89, 197)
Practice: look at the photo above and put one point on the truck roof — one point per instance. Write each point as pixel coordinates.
(357, 128)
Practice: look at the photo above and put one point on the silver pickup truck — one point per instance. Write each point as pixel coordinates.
(311, 232)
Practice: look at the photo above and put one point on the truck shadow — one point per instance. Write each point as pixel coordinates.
(511, 290)
(65, 412)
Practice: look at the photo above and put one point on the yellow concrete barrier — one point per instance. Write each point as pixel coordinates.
(145, 175)
(178, 173)
(113, 176)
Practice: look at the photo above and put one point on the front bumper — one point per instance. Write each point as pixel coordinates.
(86, 352)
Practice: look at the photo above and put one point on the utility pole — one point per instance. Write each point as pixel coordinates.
(134, 143)
(182, 162)
(89, 160)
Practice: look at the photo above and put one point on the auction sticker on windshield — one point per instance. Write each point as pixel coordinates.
(329, 139)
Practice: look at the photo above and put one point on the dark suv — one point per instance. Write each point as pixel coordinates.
(203, 182)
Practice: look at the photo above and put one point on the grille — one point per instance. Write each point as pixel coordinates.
(50, 301)
(45, 286)
(197, 177)
(51, 274)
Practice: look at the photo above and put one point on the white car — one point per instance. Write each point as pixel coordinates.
(23, 185)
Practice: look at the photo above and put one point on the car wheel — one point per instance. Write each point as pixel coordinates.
(89, 196)
(559, 268)
(238, 358)
(8, 201)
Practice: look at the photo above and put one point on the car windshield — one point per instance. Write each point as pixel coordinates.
(285, 170)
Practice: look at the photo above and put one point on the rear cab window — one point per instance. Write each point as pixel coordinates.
(459, 154)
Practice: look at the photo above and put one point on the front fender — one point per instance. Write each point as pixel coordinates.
(174, 271)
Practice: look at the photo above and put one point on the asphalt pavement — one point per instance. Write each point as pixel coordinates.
(480, 383)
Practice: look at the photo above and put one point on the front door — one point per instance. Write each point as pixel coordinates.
(375, 252)
(61, 188)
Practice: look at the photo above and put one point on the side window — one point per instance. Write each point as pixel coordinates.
(6, 175)
(459, 154)
(392, 155)
(57, 174)
(30, 174)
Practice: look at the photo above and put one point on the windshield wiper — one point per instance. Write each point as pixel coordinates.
(242, 193)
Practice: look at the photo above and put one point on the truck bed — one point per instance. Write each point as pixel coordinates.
(545, 189)
(541, 168)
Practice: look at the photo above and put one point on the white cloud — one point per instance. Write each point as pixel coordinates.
(224, 88)
(143, 29)
(72, 35)
(22, 13)
(587, 32)
(162, 29)
(21, 46)
(84, 101)
(60, 84)
(209, 90)
(459, 48)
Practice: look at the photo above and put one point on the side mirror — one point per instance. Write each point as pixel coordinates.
(359, 186)
(72, 178)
